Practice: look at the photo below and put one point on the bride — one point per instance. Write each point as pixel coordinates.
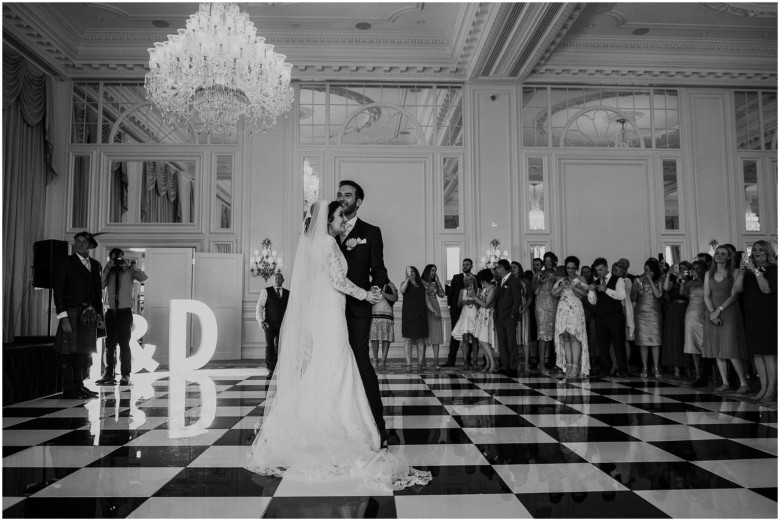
(317, 422)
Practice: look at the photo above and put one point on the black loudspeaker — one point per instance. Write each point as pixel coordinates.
(47, 255)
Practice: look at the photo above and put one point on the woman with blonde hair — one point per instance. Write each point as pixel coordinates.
(757, 280)
(724, 334)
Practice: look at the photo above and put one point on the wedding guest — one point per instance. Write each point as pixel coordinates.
(724, 335)
(757, 280)
(118, 279)
(464, 328)
(414, 316)
(456, 285)
(695, 315)
(607, 294)
(571, 337)
(508, 301)
(484, 331)
(522, 320)
(586, 272)
(77, 290)
(269, 313)
(533, 360)
(648, 316)
(546, 306)
(628, 305)
(433, 292)
(674, 317)
(382, 324)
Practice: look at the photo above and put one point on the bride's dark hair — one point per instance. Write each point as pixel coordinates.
(332, 207)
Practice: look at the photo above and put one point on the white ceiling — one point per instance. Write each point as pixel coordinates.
(712, 44)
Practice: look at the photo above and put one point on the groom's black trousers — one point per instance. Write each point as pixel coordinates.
(359, 336)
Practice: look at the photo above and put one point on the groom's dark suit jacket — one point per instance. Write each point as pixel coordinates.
(365, 263)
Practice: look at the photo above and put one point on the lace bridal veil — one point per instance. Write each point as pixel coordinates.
(317, 424)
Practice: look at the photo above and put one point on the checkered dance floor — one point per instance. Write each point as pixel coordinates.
(497, 447)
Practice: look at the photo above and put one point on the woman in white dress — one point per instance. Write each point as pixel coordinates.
(463, 330)
(317, 423)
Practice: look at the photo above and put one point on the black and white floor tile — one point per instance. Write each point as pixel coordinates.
(498, 447)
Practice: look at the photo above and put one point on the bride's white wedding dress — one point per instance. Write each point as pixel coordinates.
(317, 422)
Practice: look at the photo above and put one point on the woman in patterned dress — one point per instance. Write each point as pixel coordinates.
(524, 318)
(433, 292)
(382, 324)
(648, 317)
(546, 306)
(484, 331)
(571, 334)
(694, 314)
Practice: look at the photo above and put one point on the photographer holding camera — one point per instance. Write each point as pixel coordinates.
(118, 277)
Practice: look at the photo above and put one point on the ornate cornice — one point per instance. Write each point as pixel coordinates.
(749, 9)
(278, 40)
(627, 76)
(669, 45)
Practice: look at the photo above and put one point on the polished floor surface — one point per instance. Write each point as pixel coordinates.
(498, 447)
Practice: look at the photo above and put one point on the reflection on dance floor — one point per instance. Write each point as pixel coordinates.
(174, 447)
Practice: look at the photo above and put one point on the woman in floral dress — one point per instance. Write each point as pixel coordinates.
(571, 333)
(484, 331)
(546, 306)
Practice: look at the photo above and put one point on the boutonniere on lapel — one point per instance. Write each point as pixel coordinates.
(352, 242)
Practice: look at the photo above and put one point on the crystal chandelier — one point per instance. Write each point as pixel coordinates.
(752, 223)
(216, 70)
(266, 262)
(536, 214)
(492, 255)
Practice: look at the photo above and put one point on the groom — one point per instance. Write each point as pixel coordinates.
(362, 247)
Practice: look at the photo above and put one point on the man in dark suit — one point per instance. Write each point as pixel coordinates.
(453, 292)
(607, 293)
(269, 313)
(362, 246)
(507, 311)
(77, 286)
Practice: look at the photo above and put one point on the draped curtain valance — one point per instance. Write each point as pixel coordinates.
(24, 84)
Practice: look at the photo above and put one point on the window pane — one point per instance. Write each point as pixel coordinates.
(453, 261)
(536, 193)
(671, 195)
(752, 210)
(311, 182)
(451, 169)
(80, 191)
(152, 192)
(223, 193)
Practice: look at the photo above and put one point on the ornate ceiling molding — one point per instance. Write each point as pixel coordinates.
(670, 44)
(278, 40)
(627, 76)
(749, 9)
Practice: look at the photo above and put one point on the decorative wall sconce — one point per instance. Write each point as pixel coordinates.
(265, 262)
(493, 255)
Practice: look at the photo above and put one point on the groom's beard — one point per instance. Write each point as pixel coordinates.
(349, 209)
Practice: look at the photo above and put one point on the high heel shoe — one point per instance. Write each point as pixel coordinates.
(644, 373)
(743, 390)
(722, 389)
(657, 374)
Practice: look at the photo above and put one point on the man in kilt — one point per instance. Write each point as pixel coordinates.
(77, 286)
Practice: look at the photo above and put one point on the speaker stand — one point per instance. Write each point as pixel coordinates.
(48, 330)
